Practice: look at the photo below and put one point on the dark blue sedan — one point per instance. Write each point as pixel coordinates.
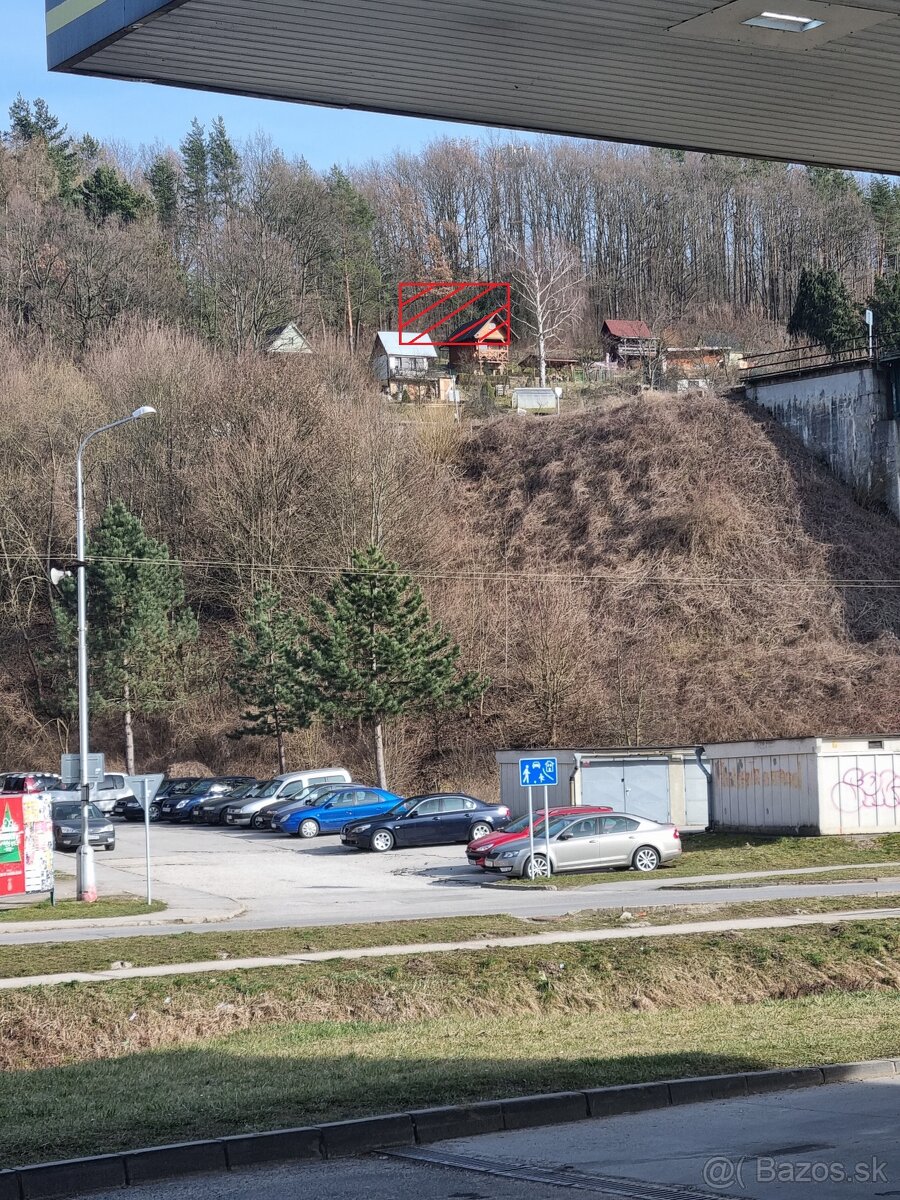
(327, 814)
(432, 820)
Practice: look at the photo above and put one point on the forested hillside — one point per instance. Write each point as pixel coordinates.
(229, 241)
(659, 569)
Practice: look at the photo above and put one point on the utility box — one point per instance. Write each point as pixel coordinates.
(806, 786)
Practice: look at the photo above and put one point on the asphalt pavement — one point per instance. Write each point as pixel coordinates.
(246, 880)
(836, 1142)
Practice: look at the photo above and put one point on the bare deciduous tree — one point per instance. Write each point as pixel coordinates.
(549, 282)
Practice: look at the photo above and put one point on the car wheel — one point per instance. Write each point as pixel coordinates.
(309, 828)
(480, 830)
(537, 868)
(256, 822)
(109, 847)
(222, 820)
(645, 859)
(155, 814)
(382, 840)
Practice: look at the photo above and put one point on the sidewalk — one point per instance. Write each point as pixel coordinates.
(538, 939)
(184, 906)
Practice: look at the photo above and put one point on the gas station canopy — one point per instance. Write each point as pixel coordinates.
(786, 79)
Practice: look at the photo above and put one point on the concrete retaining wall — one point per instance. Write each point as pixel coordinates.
(844, 418)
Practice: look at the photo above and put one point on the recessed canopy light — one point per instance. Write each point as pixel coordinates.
(783, 22)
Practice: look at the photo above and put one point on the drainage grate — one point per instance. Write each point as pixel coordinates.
(607, 1185)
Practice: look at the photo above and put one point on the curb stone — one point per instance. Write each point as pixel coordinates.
(344, 1139)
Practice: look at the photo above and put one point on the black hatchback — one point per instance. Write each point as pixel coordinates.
(435, 819)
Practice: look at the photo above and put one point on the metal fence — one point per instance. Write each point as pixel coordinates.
(796, 360)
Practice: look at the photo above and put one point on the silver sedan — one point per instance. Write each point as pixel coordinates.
(589, 843)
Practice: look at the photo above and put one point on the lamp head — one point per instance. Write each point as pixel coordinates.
(146, 410)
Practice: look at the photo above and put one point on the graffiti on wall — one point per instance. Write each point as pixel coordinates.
(858, 789)
(751, 776)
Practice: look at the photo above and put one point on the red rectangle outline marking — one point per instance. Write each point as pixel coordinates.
(419, 336)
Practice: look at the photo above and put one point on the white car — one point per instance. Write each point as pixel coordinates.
(589, 843)
(282, 787)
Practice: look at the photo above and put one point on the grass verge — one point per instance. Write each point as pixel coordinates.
(890, 876)
(106, 906)
(51, 958)
(723, 853)
(164, 1060)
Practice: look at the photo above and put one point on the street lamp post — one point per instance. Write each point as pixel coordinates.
(86, 883)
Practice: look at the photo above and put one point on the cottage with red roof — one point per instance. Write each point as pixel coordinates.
(628, 343)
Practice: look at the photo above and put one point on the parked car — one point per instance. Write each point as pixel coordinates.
(306, 798)
(211, 810)
(114, 789)
(477, 850)
(282, 787)
(66, 815)
(431, 820)
(31, 781)
(133, 810)
(590, 843)
(330, 813)
(178, 808)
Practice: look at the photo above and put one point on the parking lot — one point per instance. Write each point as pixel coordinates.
(282, 879)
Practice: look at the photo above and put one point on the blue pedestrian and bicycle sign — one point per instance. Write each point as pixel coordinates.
(537, 772)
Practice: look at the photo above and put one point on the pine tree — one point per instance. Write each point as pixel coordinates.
(138, 622)
(885, 305)
(195, 174)
(268, 672)
(225, 171)
(29, 123)
(824, 311)
(106, 194)
(375, 653)
(351, 255)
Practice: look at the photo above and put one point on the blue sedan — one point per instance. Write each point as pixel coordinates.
(334, 811)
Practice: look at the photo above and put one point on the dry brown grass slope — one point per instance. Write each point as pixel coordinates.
(734, 588)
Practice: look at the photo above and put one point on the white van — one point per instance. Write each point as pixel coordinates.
(283, 787)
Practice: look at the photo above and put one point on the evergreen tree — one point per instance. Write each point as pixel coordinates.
(138, 622)
(225, 171)
(351, 255)
(884, 202)
(106, 194)
(885, 305)
(824, 310)
(375, 653)
(195, 174)
(268, 674)
(831, 184)
(29, 123)
(162, 179)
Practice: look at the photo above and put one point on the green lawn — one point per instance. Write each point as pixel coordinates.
(50, 958)
(890, 876)
(106, 906)
(164, 1060)
(725, 853)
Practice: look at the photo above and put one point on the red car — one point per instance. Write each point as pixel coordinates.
(476, 850)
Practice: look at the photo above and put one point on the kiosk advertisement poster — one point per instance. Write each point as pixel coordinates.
(37, 811)
(26, 844)
(12, 846)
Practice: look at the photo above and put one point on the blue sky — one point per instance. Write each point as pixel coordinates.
(142, 113)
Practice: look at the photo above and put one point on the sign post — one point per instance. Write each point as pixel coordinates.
(538, 772)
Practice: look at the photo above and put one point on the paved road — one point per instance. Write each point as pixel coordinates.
(825, 1143)
(274, 881)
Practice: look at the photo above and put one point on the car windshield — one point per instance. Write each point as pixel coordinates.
(269, 788)
(198, 788)
(72, 812)
(244, 791)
